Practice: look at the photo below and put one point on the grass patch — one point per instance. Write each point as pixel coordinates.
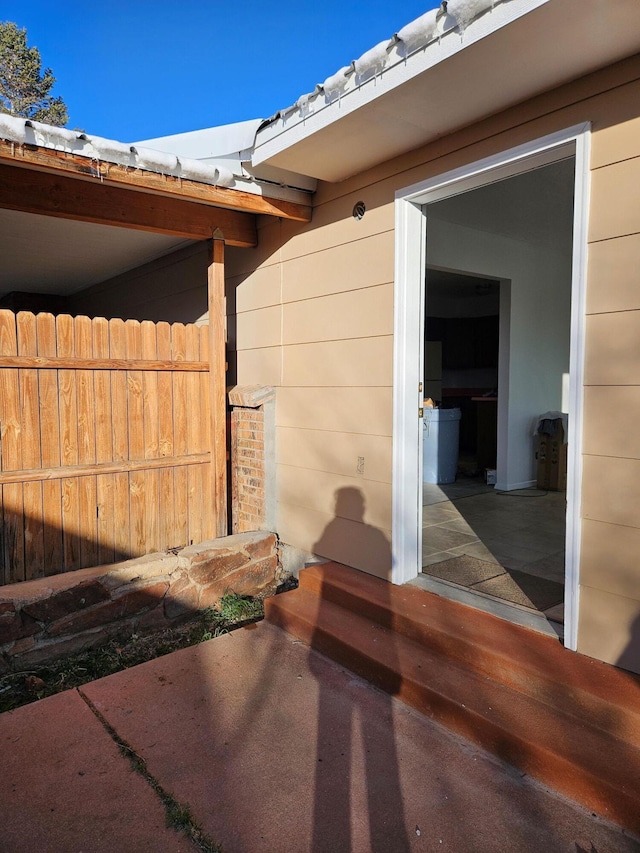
(20, 688)
(240, 607)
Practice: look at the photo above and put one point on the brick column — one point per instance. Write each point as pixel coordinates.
(252, 458)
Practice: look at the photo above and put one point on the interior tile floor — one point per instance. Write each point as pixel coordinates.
(517, 540)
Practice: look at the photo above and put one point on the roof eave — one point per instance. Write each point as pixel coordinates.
(520, 49)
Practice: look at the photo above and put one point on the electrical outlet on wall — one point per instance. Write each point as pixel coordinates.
(360, 467)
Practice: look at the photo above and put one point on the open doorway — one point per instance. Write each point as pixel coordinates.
(497, 336)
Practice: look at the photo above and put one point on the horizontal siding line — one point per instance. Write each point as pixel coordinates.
(617, 311)
(388, 335)
(339, 293)
(359, 478)
(96, 469)
(609, 456)
(230, 279)
(165, 291)
(340, 387)
(282, 304)
(615, 162)
(257, 349)
(614, 237)
(604, 521)
(314, 343)
(332, 515)
(590, 586)
(611, 385)
(334, 431)
(328, 248)
(612, 523)
(332, 387)
(333, 246)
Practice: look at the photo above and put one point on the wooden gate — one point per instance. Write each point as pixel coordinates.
(105, 438)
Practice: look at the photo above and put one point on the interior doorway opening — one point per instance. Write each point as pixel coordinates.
(497, 347)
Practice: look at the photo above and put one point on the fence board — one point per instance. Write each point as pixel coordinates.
(71, 523)
(10, 399)
(105, 513)
(13, 533)
(119, 399)
(194, 437)
(67, 392)
(31, 455)
(180, 481)
(104, 441)
(104, 444)
(151, 427)
(167, 530)
(121, 521)
(208, 526)
(86, 395)
(50, 447)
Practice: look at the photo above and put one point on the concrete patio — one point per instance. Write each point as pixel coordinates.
(272, 747)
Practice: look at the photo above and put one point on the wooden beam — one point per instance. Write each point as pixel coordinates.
(141, 179)
(33, 191)
(217, 384)
(34, 475)
(60, 363)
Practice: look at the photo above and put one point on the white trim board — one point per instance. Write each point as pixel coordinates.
(410, 252)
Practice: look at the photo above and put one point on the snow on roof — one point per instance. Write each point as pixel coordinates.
(413, 37)
(22, 131)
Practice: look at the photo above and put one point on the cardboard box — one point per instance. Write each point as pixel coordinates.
(551, 455)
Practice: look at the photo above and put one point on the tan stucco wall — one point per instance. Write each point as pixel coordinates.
(314, 317)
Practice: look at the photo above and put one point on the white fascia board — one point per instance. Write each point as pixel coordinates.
(272, 190)
(514, 52)
(295, 126)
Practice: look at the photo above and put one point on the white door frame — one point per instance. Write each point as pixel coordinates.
(409, 296)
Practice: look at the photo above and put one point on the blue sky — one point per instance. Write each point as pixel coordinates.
(133, 71)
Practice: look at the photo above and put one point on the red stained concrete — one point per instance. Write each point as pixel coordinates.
(277, 749)
(65, 788)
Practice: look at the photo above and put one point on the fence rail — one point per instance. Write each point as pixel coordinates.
(104, 441)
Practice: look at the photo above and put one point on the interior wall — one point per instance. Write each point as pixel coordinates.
(171, 289)
(539, 325)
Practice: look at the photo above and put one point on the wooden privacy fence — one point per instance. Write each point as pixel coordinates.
(104, 441)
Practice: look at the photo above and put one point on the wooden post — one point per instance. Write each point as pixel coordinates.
(217, 384)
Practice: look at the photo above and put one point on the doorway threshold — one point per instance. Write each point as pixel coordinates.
(523, 616)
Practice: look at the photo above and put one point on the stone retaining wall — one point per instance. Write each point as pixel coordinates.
(49, 618)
